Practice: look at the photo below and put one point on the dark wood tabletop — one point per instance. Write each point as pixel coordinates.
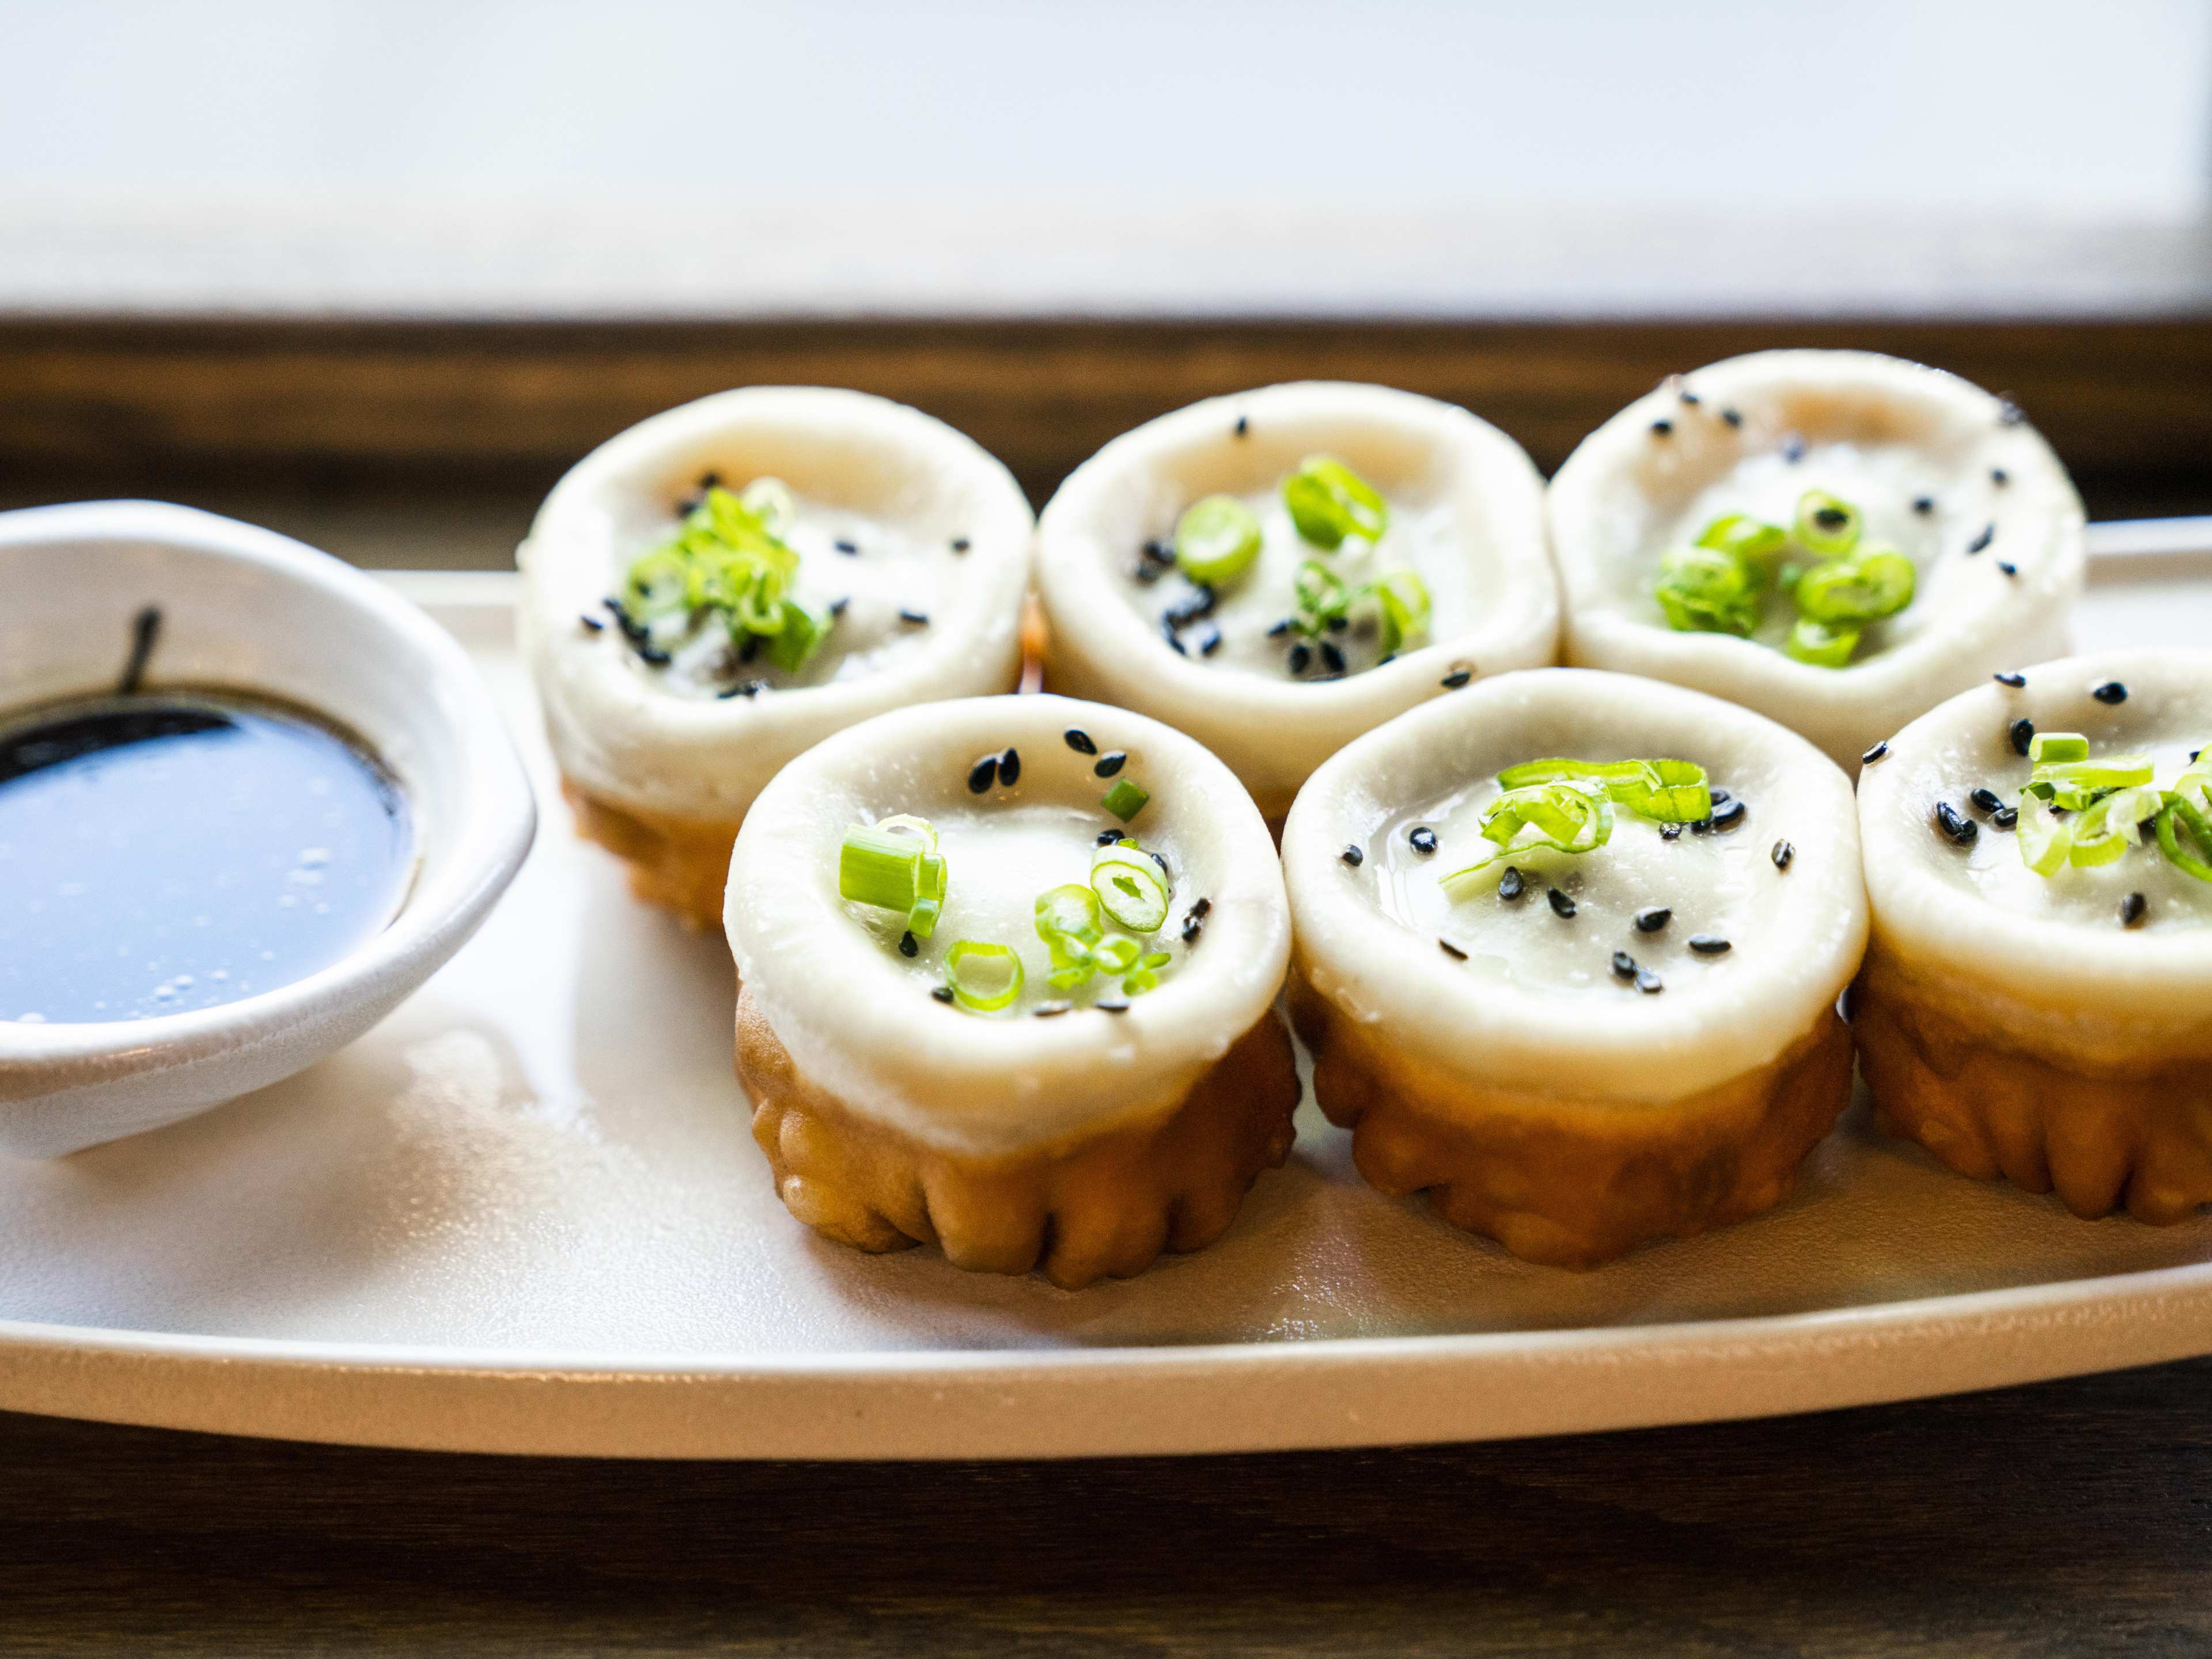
(2071, 1517)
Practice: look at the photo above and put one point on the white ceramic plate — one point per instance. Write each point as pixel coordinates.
(524, 1214)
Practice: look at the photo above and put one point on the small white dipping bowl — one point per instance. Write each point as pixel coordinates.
(247, 610)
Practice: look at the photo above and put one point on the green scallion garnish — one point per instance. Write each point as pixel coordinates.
(1742, 537)
(729, 559)
(1706, 590)
(1322, 603)
(2108, 802)
(2182, 818)
(1130, 887)
(1863, 587)
(1567, 806)
(1825, 645)
(894, 866)
(1328, 501)
(1216, 540)
(1125, 799)
(983, 977)
(1827, 526)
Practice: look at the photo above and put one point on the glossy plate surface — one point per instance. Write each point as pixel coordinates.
(524, 1214)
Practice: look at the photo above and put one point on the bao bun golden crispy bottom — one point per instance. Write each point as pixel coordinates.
(2015, 1027)
(1103, 1203)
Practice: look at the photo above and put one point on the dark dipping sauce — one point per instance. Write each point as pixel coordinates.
(172, 851)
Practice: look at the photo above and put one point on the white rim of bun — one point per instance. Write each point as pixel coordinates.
(622, 737)
(1273, 733)
(851, 1013)
(1821, 395)
(1635, 1050)
(2088, 977)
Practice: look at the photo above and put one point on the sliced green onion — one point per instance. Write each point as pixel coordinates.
(1827, 525)
(1130, 887)
(1117, 954)
(1665, 791)
(1824, 645)
(1703, 591)
(984, 977)
(2054, 747)
(1068, 912)
(2181, 816)
(2100, 837)
(1865, 586)
(1568, 818)
(770, 501)
(1216, 540)
(1329, 502)
(1404, 608)
(2045, 838)
(794, 644)
(1744, 537)
(1320, 596)
(894, 866)
(1145, 977)
(2077, 784)
(1124, 800)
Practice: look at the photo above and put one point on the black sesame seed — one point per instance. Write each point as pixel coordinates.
(1301, 658)
(1337, 624)
(1652, 919)
(654, 655)
(1709, 945)
(1243, 426)
(1561, 904)
(837, 606)
(1960, 829)
(1276, 630)
(2110, 692)
(2022, 734)
(1649, 982)
(593, 623)
(1793, 449)
(2006, 567)
(1689, 396)
(1986, 798)
(1191, 929)
(1511, 884)
(1423, 839)
(1111, 1006)
(1924, 505)
(1185, 612)
(960, 544)
(1781, 854)
(1147, 573)
(1874, 754)
(1203, 909)
(1161, 859)
(1332, 658)
(942, 993)
(1157, 552)
(1624, 964)
(1703, 826)
(1721, 797)
(1168, 633)
(744, 689)
(1734, 417)
(1999, 477)
(2016, 681)
(915, 618)
(1111, 763)
(1353, 856)
(1989, 533)
(1079, 740)
(1052, 1010)
(1010, 767)
(982, 775)
(1670, 832)
(1107, 838)
(2131, 909)
(750, 649)
(1662, 428)
(710, 481)
(2005, 817)
(1727, 816)
(909, 946)
(1451, 949)
(1209, 641)
(847, 548)
(1456, 678)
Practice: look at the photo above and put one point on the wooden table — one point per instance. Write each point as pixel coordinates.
(2072, 1517)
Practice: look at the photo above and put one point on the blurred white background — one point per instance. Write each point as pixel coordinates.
(674, 153)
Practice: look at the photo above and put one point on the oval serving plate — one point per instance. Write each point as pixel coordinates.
(524, 1214)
